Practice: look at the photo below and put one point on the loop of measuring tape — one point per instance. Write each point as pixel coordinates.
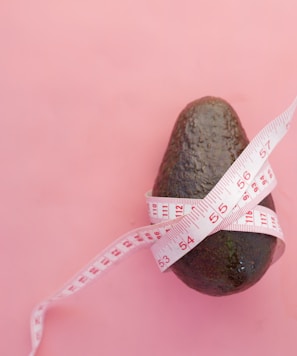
(217, 207)
(246, 214)
(232, 205)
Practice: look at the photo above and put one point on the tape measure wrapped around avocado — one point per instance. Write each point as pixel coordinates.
(220, 244)
(206, 139)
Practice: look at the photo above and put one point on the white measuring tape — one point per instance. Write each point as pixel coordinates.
(181, 224)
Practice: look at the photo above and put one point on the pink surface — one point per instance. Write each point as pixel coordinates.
(89, 93)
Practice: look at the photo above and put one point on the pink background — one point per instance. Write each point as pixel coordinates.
(89, 93)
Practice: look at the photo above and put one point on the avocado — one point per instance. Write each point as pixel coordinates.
(206, 139)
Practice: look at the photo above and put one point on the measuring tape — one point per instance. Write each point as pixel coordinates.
(244, 218)
(181, 224)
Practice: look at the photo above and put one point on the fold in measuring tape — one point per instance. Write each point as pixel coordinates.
(181, 224)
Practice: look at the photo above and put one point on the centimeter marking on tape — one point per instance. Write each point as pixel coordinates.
(250, 179)
(218, 205)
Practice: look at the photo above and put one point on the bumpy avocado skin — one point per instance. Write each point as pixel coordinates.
(206, 139)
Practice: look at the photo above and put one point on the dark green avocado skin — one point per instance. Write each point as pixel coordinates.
(206, 139)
